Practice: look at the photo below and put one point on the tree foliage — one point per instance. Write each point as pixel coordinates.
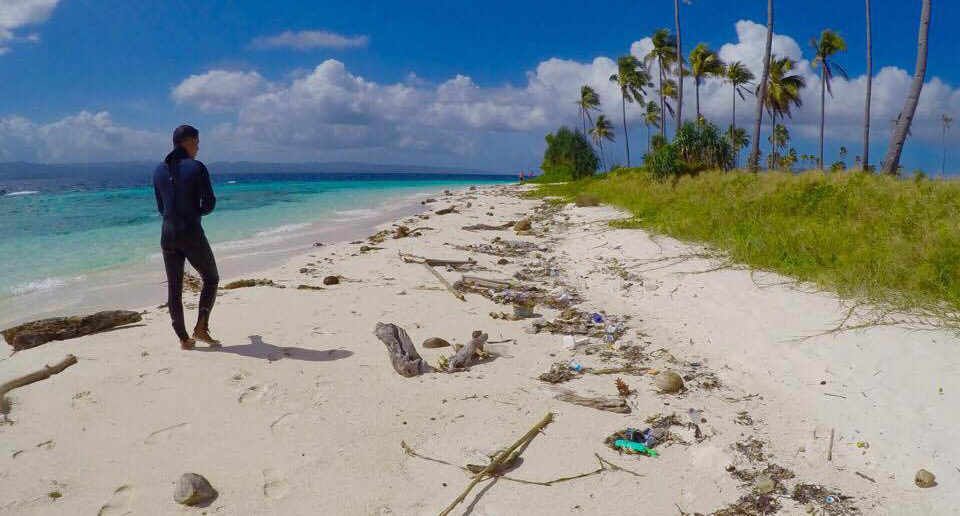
(568, 155)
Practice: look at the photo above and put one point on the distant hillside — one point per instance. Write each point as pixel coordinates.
(23, 170)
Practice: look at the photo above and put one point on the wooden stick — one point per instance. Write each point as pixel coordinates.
(861, 475)
(495, 463)
(486, 283)
(36, 376)
(412, 258)
(830, 449)
(445, 282)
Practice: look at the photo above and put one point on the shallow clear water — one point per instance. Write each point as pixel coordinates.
(68, 228)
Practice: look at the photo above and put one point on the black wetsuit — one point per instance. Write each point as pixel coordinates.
(184, 195)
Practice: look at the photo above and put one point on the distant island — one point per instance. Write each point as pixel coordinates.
(23, 170)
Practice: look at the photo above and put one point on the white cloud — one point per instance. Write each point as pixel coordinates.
(81, 137)
(218, 90)
(310, 39)
(329, 113)
(15, 14)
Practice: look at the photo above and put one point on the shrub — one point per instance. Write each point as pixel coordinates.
(663, 162)
(568, 156)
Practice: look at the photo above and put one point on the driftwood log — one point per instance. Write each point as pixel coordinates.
(618, 405)
(446, 283)
(403, 354)
(435, 262)
(465, 355)
(488, 227)
(508, 455)
(33, 334)
(445, 211)
(35, 376)
(487, 283)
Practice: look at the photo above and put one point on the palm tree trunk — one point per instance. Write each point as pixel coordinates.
(696, 81)
(891, 162)
(626, 137)
(603, 160)
(583, 118)
(676, 18)
(733, 128)
(943, 138)
(823, 100)
(758, 118)
(866, 109)
(648, 138)
(663, 119)
(773, 140)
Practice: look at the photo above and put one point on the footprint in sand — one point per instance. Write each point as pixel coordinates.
(165, 434)
(284, 423)
(275, 487)
(258, 392)
(119, 504)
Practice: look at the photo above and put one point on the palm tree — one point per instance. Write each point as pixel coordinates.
(589, 101)
(664, 54)
(945, 120)
(651, 117)
(704, 63)
(762, 97)
(829, 44)
(738, 139)
(738, 75)
(676, 19)
(866, 108)
(602, 130)
(783, 90)
(891, 162)
(631, 78)
(778, 141)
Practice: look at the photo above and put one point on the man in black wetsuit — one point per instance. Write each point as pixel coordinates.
(184, 195)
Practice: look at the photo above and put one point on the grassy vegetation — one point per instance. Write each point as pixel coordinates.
(864, 236)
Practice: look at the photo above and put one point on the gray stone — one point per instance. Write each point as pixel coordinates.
(435, 342)
(193, 489)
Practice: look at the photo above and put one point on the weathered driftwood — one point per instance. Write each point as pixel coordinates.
(465, 355)
(446, 283)
(488, 227)
(486, 283)
(245, 283)
(445, 211)
(434, 262)
(508, 455)
(33, 334)
(403, 354)
(618, 405)
(36, 376)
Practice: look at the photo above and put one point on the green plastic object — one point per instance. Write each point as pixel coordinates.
(636, 447)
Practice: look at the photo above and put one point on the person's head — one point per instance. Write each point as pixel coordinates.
(188, 138)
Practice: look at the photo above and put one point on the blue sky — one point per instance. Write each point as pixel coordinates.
(474, 84)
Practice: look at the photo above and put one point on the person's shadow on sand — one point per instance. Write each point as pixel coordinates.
(260, 349)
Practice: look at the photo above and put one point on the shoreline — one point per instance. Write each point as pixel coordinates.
(301, 407)
(133, 285)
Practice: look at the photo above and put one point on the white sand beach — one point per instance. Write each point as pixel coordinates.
(301, 412)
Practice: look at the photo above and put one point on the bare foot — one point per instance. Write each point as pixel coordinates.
(204, 336)
(187, 344)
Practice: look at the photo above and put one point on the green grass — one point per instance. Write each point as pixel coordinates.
(864, 236)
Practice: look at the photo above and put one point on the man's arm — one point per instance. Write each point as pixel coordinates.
(207, 199)
(156, 192)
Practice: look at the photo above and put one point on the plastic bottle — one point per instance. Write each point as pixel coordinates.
(576, 366)
(620, 443)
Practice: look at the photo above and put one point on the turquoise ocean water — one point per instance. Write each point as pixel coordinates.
(63, 231)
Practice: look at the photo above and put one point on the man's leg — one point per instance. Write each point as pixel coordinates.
(173, 263)
(201, 258)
